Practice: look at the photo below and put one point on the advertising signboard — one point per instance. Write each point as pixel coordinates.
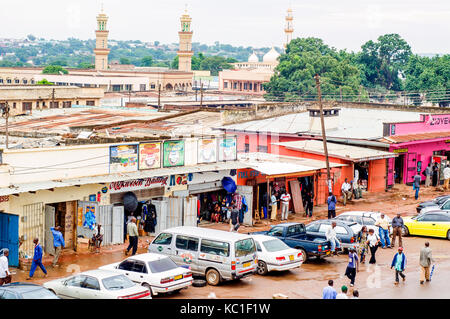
(207, 150)
(149, 155)
(123, 158)
(173, 153)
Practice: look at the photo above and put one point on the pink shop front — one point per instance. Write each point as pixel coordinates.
(417, 144)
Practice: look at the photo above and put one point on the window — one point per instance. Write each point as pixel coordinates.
(1, 80)
(258, 246)
(247, 148)
(17, 81)
(295, 230)
(140, 267)
(8, 81)
(446, 206)
(244, 247)
(8, 295)
(274, 245)
(368, 221)
(91, 283)
(26, 106)
(163, 239)
(215, 247)
(187, 243)
(225, 85)
(434, 218)
(76, 281)
(262, 149)
(339, 229)
(314, 227)
(276, 231)
(67, 104)
(90, 103)
(25, 81)
(117, 283)
(40, 293)
(54, 105)
(126, 265)
(162, 265)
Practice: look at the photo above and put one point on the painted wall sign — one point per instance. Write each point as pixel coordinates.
(137, 184)
(149, 155)
(207, 150)
(440, 121)
(123, 158)
(401, 150)
(227, 149)
(173, 153)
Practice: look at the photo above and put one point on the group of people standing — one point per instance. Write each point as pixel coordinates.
(431, 174)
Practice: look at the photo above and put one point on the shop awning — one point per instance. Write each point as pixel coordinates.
(276, 165)
(104, 179)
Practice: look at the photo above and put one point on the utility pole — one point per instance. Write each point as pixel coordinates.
(159, 96)
(324, 136)
(53, 99)
(201, 95)
(5, 114)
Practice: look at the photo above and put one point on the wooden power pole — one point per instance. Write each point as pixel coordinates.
(5, 114)
(324, 136)
(201, 95)
(159, 96)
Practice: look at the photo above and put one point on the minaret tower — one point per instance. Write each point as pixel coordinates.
(101, 48)
(185, 52)
(289, 30)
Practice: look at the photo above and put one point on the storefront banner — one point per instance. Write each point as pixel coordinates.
(173, 153)
(137, 184)
(207, 150)
(149, 155)
(227, 149)
(123, 158)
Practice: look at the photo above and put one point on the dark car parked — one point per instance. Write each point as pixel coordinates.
(20, 290)
(437, 203)
(346, 231)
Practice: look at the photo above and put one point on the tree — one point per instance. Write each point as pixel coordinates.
(383, 61)
(86, 65)
(125, 61)
(31, 37)
(54, 69)
(147, 61)
(214, 64)
(174, 64)
(306, 57)
(44, 82)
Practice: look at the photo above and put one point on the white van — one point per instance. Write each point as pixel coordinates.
(217, 255)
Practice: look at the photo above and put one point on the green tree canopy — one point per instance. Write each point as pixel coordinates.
(125, 61)
(147, 61)
(86, 65)
(54, 69)
(44, 82)
(306, 57)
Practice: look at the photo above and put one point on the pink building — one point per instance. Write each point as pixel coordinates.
(417, 144)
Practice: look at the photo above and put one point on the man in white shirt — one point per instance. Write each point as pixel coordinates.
(346, 191)
(332, 238)
(285, 198)
(446, 177)
(5, 275)
(343, 293)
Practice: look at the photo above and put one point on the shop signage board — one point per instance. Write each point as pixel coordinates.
(173, 153)
(400, 150)
(149, 155)
(227, 149)
(123, 158)
(137, 184)
(207, 150)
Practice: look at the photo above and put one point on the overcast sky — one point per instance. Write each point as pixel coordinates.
(344, 24)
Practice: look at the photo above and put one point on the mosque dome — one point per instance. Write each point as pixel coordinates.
(253, 58)
(271, 56)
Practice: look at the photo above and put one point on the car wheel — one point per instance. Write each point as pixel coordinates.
(213, 277)
(448, 234)
(405, 231)
(304, 255)
(149, 288)
(199, 283)
(262, 268)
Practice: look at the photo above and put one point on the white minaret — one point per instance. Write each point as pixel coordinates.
(185, 52)
(289, 29)
(101, 50)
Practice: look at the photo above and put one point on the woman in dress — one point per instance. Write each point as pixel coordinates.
(373, 241)
(363, 247)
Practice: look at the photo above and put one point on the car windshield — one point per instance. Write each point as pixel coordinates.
(39, 294)
(245, 247)
(441, 201)
(161, 265)
(274, 245)
(117, 283)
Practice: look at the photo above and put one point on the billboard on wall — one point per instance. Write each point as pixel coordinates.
(227, 149)
(207, 150)
(173, 153)
(149, 155)
(123, 158)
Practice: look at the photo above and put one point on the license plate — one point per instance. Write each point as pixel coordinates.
(178, 277)
(291, 257)
(246, 265)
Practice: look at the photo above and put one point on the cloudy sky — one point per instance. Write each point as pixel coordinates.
(344, 24)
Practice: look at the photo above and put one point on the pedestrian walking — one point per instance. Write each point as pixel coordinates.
(5, 275)
(37, 259)
(309, 203)
(274, 200)
(331, 205)
(346, 191)
(363, 247)
(234, 222)
(426, 260)
(343, 293)
(428, 172)
(133, 236)
(384, 230)
(97, 238)
(373, 240)
(332, 238)
(353, 266)
(329, 292)
(58, 243)
(416, 185)
(446, 177)
(435, 174)
(397, 225)
(285, 199)
(399, 262)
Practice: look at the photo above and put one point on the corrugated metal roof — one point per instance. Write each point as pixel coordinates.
(348, 152)
(415, 137)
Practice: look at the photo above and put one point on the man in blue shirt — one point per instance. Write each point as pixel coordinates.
(331, 201)
(352, 267)
(58, 243)
(329, 292)
(399, 262)
(37, 259)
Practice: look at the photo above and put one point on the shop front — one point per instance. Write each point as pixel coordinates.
(417, 145)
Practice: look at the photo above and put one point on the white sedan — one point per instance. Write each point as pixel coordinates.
(275, 255)
(97, 284)
(158, 273)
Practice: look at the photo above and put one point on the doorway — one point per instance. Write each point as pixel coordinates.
(398, 168)
(62, 214)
